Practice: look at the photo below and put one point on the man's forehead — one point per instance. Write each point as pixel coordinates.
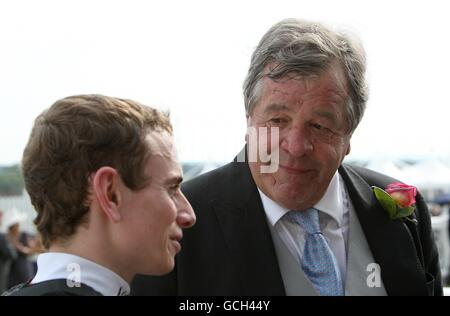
(161, 144)
(334, 74)
(163, 159)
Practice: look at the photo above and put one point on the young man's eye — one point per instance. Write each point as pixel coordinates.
(174, 189)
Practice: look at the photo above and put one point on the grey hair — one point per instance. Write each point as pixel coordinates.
(307, 49)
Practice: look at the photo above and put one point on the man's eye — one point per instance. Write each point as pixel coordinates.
(174, 189)
(322, 131)
(319, 127)
(322, 128)
(276, 120)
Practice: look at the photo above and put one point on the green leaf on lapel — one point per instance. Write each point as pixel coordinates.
(386, 202)
(404, 211)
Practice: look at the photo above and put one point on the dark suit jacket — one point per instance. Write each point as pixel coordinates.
(51, 288)
(230, 250)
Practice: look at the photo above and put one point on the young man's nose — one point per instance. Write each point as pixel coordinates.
(186, 216)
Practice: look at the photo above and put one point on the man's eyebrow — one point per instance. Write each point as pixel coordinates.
(326, 114)
(174, 180)
(276, 107)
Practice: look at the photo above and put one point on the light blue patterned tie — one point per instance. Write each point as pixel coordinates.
(318, 262)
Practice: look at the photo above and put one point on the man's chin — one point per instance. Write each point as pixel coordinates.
(296, 200)
(161, 269)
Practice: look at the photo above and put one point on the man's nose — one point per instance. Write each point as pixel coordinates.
(186, 216)
(297, 141)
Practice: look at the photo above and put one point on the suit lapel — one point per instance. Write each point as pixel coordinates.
(244, 226)
(390, 241)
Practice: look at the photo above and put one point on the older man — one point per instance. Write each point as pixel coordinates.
(104, 177)
(291, 219)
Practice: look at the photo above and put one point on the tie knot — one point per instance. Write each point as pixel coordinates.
(308, 219)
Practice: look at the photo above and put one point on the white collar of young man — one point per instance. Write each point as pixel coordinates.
(75, 269)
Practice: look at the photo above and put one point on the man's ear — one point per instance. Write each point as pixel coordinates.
(249, 122)
(348, 149)
(105, 187)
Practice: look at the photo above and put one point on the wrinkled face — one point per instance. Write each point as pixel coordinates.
(310, 114)
(155, 215)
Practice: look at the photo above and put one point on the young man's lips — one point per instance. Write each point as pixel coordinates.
(177, 244)
(177, 237)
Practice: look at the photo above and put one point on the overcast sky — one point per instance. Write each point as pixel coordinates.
(191, 58)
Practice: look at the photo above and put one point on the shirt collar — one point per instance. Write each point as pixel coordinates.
(56, 265)
(331, 203)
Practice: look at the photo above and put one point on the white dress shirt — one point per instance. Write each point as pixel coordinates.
(58, 265)
(333, 219)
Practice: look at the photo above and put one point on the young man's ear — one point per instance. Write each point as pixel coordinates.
(105, 187)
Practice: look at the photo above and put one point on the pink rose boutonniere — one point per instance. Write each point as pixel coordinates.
(398, 200)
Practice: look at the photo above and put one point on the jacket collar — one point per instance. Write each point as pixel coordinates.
(244, 226)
